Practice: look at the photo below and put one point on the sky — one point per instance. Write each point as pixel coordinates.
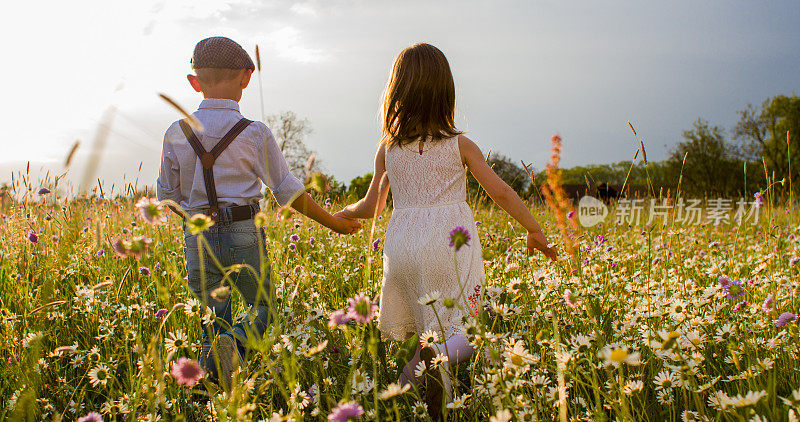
(524, 70)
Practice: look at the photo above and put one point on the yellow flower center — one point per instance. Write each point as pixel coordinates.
(619, 355)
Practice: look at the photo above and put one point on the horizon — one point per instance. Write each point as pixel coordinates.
(582, 70)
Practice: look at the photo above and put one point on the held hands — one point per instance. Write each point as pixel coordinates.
(345, 225)
(537, 241)
(344, 214)
(349, 224)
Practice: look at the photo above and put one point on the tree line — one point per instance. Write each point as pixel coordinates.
(762, 148)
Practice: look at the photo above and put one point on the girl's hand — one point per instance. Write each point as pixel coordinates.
(344, 225)
(537, 241)
(344, 214)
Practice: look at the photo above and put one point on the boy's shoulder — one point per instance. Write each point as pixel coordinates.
(255, 132)
(173, 129)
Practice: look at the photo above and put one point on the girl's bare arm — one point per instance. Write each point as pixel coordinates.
(374, 201)
(503, 195)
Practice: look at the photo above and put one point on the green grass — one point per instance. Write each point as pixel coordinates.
(654, 294)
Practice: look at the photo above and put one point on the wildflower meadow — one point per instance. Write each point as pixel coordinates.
(658, 321)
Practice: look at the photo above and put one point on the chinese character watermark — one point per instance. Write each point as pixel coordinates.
(632, 212)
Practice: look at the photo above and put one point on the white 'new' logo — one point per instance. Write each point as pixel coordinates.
(591, 211)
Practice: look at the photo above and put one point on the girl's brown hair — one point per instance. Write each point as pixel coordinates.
(420, 97)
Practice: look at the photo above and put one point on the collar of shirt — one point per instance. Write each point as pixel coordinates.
(219, 103)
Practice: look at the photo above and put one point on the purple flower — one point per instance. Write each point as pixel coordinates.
(361, 309)
(91, 417)
(741, 305)
(44, 191)
(346, 411)
(785, 318)
(769, 303)
(459, 237)
(294, 238)
(759, 199)
(161, 312)
(734, 290)
(585, 262)
(478, 223)
(32, 237)
(311, 241)
(375, 245)
(337, 318)
(571, 215)
(292, 247)
(144, 271)
(187, 372)
(724, 281)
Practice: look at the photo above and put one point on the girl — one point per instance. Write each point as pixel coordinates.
(422, 156)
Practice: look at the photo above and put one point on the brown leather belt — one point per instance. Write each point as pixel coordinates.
(235, 213)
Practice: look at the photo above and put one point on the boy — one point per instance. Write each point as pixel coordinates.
(219, 173)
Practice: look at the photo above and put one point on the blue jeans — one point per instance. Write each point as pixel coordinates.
(231, 243)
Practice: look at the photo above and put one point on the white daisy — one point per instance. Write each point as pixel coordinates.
(175, 341)
(99, 375)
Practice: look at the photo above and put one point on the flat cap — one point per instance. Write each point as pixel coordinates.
(220, 53)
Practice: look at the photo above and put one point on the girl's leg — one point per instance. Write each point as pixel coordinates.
(408, 377)
(457, 349)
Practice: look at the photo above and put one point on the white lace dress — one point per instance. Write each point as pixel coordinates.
(429, 195)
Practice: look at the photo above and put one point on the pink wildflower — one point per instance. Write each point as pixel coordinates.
(570, 298)
(338, 318)
(187, 372)
(91, 417)
(361, 309)
(769, 303)
(346, 411)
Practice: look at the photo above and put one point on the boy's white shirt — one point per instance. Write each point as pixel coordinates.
(252, 158)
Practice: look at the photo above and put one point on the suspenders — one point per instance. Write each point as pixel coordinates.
(207, 159)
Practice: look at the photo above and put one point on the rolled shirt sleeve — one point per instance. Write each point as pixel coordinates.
(168, 183)
(273, 171)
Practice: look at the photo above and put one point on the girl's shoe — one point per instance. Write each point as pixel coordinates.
(434, 383)
(229, 359)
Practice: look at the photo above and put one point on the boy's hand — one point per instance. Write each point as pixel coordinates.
(537, 241)
(344, 214)
(344, 225)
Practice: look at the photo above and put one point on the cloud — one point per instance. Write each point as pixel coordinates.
(304, 9)
(288, 45)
